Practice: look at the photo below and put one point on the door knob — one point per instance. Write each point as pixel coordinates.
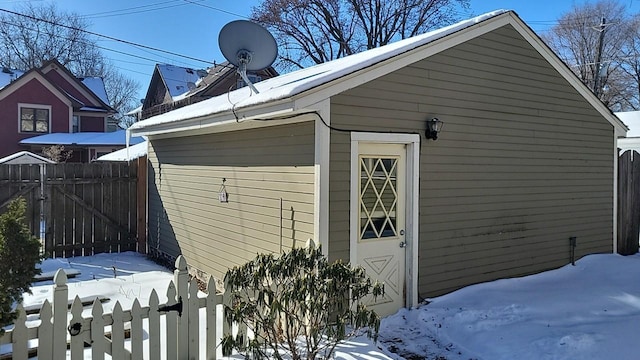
(403, 244)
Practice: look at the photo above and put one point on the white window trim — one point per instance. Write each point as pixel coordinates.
(412, 141)
(321, 175)
(32, 106)
(79, 123)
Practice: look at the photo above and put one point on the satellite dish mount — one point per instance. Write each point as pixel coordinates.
(244, 58)
(248, 46)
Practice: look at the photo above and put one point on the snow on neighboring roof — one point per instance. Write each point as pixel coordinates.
(83, 139)
(89, 108)
(135, 111)
(178, 80)
(25, 157)
(632, 120)
(287, 85)
(8, 75)
(96, 84)
(126, 154)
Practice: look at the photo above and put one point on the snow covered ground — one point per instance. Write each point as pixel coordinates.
(587, 311)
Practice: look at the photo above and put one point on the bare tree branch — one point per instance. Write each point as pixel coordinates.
(316, 31)
(576, 40)
(26, 43)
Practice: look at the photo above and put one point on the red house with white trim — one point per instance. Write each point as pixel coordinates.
(49, 99)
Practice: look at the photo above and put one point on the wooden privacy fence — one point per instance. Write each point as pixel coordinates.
(175, 328)
(628, 202)
(80, 209)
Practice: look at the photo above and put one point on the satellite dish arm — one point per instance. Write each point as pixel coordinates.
(244, 57)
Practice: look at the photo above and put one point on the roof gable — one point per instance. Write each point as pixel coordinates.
(35, 74)
(155, 85)
(75, 83)
(311, 85)
(25, 157)
(178, 80)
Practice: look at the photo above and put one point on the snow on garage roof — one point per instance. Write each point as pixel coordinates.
(287, 85)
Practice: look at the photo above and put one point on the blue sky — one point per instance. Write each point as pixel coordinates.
(191, 27)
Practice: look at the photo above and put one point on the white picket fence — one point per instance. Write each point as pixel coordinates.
(172, 328)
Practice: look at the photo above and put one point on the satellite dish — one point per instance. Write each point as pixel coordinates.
(248, 46)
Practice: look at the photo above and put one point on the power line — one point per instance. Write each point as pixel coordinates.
(216, 9)
(117, 13)
(107, 36)
(123, 11)
(153, 61)
(87, 43)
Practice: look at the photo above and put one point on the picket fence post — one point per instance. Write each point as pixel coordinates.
(193, 320)
(60, 298)
(154, 326)
(181, 278)
(77, 341)
(117, 333)
(45, 332)
(19, 343)
(136, 330)
(211, 308)
(98, 341)
(171, 320)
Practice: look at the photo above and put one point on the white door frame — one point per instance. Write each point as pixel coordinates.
(412, 142)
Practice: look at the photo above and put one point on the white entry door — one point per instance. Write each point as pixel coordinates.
(381, 221)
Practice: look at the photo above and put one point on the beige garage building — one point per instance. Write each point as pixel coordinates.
(338, 153)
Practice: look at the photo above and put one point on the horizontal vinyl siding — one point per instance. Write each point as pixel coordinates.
(523, 161)
(339, 188)
(269, 178)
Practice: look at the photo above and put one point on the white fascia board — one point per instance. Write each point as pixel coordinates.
(226, 121)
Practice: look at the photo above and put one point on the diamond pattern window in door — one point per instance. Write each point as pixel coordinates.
(378, 197)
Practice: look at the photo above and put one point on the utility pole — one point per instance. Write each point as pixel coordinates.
(598, 65)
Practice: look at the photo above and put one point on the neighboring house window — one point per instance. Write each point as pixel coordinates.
(76, 124)
(33, 119)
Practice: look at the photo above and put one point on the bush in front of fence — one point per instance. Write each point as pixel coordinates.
(19, 254)
(297, 305)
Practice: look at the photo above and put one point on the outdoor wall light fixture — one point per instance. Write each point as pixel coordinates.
(434, 126)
